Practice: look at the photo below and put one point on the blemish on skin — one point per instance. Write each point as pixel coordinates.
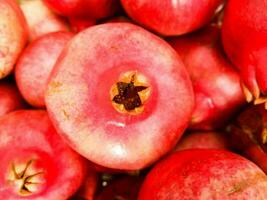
(118, 124)
(65, 114)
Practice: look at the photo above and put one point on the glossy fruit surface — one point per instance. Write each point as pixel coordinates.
(204, 174)
(170, 17)
(36, 63)
(120, 96)
(13, 35)
(244, 35)
(216, 83)
(35, 163)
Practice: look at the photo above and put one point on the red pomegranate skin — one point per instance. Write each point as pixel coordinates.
(95, 9)
(203, 140)
(13, 34)
(28, 137)
(124, 188)
(10, 98)
(36, 63)
(248, 134)
(244, 36)
(170, 17)
(216, 83)
(40, 19)
(204, 174)
(79, 103)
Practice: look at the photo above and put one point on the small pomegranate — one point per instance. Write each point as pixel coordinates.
(244, 35)
(204, 174)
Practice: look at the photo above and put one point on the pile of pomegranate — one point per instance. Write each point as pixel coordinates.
(133, 99)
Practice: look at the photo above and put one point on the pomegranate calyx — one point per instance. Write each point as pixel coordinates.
(25, 181)
(128, 94)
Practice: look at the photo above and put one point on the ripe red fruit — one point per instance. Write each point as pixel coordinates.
(35, 163)
(123, 188)
(248, 134)
(202, 140)
(40, 19)
(13, 35)
(216, 84)
(120, 96)
(95, 9)
(36, 63)
(10, 98)
(204, 174)
(244, 35)
(171, 17)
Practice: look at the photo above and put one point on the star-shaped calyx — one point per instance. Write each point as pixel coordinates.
(130, 94)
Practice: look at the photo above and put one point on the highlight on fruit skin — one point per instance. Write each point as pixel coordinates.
(126, 102)
(244, 36)
(204, 174)
(13, 35)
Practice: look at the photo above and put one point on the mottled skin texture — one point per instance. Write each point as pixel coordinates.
(202, 140)
(201, 174)
(216, 83)
(40, 19)
(124, 188)
(10, 98)
(78, 96)
(36, 63)
(171, 17)
(29, 134)
(244, 36)
(95, 9)
(13, 35)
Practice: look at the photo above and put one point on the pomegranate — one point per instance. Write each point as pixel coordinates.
(13, 35)
(204, 174)
(35, 163)
(216, 83)
(244, 35)
(120, 96)
(36, 63)
(171, 17)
